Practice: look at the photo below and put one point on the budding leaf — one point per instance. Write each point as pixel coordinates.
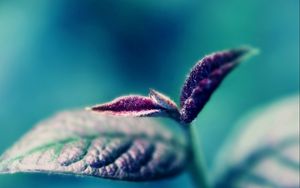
(162, 100)
(264, 150)
(204, 78)
(84, 143)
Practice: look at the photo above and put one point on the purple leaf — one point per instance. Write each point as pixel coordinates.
(131, 105)
(204, 78)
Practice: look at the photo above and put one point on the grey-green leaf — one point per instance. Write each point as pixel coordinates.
(264, 151)
(85, 143)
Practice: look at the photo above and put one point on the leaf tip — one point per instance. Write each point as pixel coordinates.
(95, 108)
(88, 108)
(246, 52)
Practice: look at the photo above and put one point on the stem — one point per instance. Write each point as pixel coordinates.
(197, 169)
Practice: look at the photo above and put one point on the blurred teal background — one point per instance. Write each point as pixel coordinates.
(57, 55)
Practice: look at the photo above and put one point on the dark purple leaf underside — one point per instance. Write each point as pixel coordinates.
(132, 105)
(204, 78)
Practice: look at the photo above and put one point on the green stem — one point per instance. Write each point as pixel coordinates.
(197, 169)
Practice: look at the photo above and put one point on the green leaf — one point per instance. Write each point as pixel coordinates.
(264, 151)
(85, 143)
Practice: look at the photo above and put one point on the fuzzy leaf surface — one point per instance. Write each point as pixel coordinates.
(204, 78)
(84, 143)
(131, 105)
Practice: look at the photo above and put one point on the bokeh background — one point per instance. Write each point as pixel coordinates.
(57, 55)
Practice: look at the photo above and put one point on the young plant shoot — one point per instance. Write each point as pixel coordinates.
(201, 82)
(133, 149)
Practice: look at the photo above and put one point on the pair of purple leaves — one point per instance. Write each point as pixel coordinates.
(204, 78)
